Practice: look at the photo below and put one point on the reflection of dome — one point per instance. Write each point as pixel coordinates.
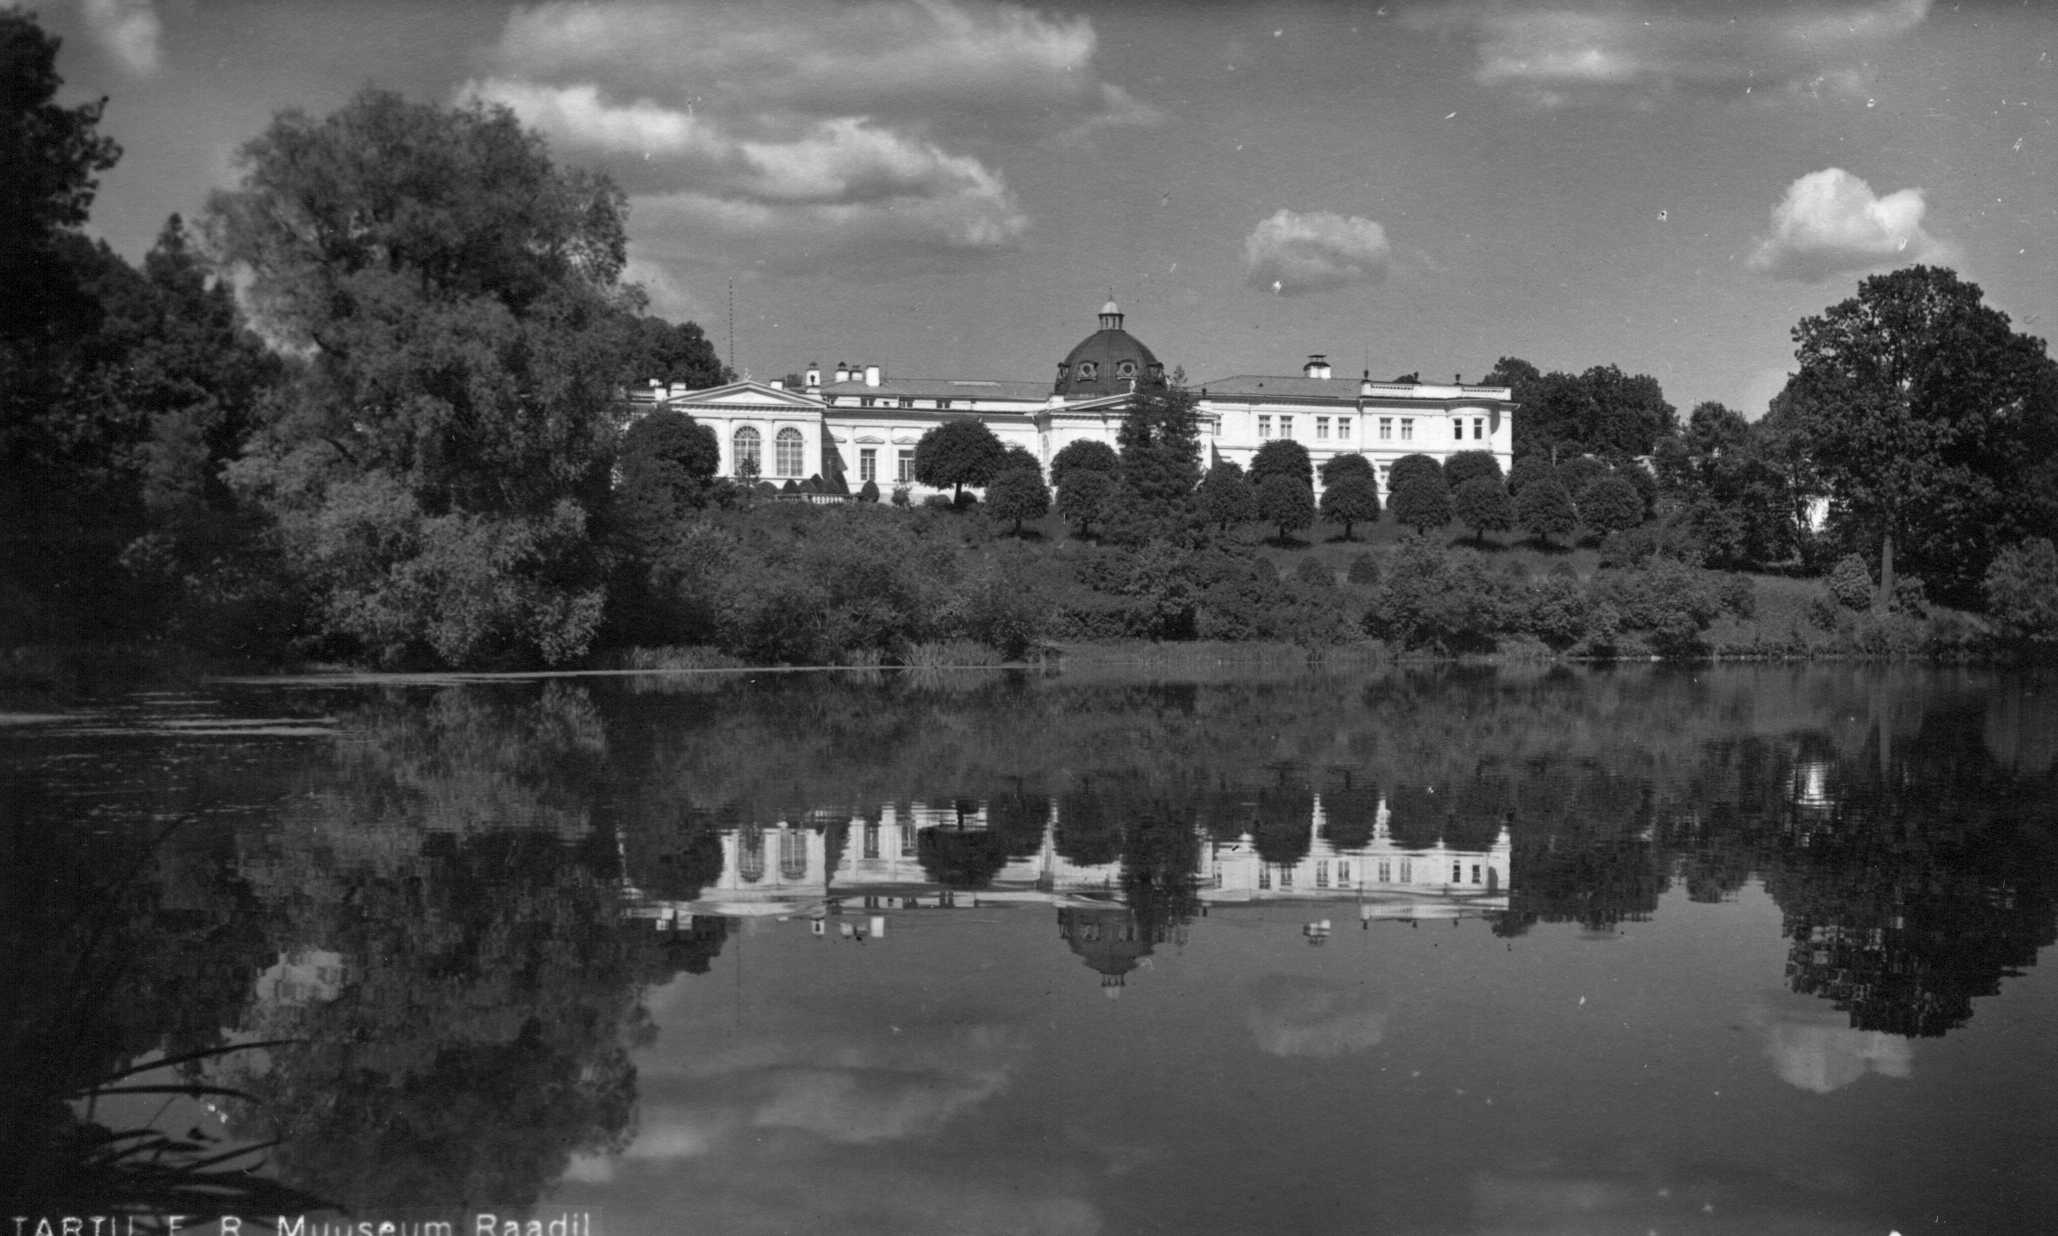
(1110, 361)
(1107, 940)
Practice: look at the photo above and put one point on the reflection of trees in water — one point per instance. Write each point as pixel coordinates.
(1350, 811)
(1283, 818)
(1089, 830)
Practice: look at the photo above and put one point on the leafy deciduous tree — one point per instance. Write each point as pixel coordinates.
(1282, 457)
(958, 453)
(1091, 454)
(1286, 503)
(1226, 496)
(1545, 510)
(1482, 504)
(1351, 500)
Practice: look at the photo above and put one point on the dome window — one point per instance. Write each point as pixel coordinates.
(1125, 369)
(1088, 371)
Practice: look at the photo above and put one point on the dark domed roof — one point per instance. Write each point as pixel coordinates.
(1110, 361)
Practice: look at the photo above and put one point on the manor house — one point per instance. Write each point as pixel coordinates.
(857, 423)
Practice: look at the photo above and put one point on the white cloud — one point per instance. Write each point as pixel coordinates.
(1291, 253)
(1822, 1053)
(128, 30)
(806, 132)
(1831, 222)
(1297, 1017)
(1640, 51)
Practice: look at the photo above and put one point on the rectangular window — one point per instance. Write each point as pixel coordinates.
(1475, 873)
(1385, 429)
(872, 839)
(1264, 427)
(865, 401)
(943, 404)
(1458, 428)
(906, 472)
(1407, 871)
(1343, 875)
(907, 401)
(1343, 427)
(1285, 876)
(1385, 872)
(1478, 427)
(1321, 429)
(1264, 875)
(1457, 873)
(907, 838)
(1286, 427)
(1322, 874)
(1407, 429)
(868, 463)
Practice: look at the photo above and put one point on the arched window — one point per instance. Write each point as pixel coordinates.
(744, 451)
(792, 854)
(1125, 369)
(1087, 370)
(750, 846)
(786, 448)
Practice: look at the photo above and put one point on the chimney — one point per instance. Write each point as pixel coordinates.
(778, 384)
(1317, 367)
(814, 375)
(1457, 379)
(872, 375)
(842, 372)
(1365, 386)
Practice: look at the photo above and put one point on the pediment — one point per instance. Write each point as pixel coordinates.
(755, 395)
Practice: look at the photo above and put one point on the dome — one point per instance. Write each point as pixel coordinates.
(1110, 361)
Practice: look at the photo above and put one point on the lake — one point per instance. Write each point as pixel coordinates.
(1719, 949)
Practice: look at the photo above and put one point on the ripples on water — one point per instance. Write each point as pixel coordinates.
(1744, 950)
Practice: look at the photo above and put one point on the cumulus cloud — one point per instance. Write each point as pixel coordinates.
(1641, 51)
(128, 30)
(808, 127)
(1831, 222)
(1299, 1017)
(1291, 253)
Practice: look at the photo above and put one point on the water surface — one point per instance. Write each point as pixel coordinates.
(1735, 950)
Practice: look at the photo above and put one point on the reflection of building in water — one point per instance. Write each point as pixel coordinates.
(908, 857)
(1109, 939)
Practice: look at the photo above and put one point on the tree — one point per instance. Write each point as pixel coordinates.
(435, 468)
(1282, 457)
(1419, 499)
(1580, 471)
(669, 353)
(1528, 468)
(1226, 496)
(1089, 454)
(1159, 443)
(1412, 465)
(1352, 500)
(1286, 503)
(958, 453)
(1018, 493)
(1340, 467)
(1083, 498)
(1483, 505)
(1545, 510)
(1467, 465)
(1933, 424)
(1610, 504)
(2022, 591)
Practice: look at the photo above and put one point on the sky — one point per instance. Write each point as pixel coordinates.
(951, 188)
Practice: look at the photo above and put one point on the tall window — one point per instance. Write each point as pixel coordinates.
(1385, 428)
(743, 450)
(1458, 428)
(787, 448)
(1322, 874)
(1264, 427)
(905, 472)
(1478, 427)
(871, 839)
(1286, 427)
(750, 857)
(1321, 429)
(868, 463)
(792, 854)
(1407, 429)
(1343, 426)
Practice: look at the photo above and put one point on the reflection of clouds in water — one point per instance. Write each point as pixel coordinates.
(1823, 1053)
(1305, 1017)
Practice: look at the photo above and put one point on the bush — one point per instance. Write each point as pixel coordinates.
(1739, 595)
(900, 496)
(869, 492)
(1850, 582)
(1470, 466)
(1431, 598)
(2021, 588)
(1610, 504)
(1309, 571)
(1364, 570)
(1544, 509)
(1674, 602)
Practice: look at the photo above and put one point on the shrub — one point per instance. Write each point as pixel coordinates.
(901, 496)
(1309, 571)
(2021, 588)
(1739, 595)
(937, 502)
(1553, 607)
(1674, 602)
(1610, 504)
(869, 492)
(1850, 582)
(1430, 598)
(1364, 570)
(1018, 494)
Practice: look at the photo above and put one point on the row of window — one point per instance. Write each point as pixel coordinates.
(788, 450)
(1386, 426)
(1343, 874)
(890, 401)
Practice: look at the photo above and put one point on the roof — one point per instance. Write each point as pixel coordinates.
(1342, 390)
(942, 388)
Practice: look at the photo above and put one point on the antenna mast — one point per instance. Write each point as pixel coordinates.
(732, 328)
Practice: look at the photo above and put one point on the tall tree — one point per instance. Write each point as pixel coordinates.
(1352, 500)
(1226, 496)
(1282, 457)
(1159, 444)
(1933, 423)
(1086, 454)
(434, 471)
